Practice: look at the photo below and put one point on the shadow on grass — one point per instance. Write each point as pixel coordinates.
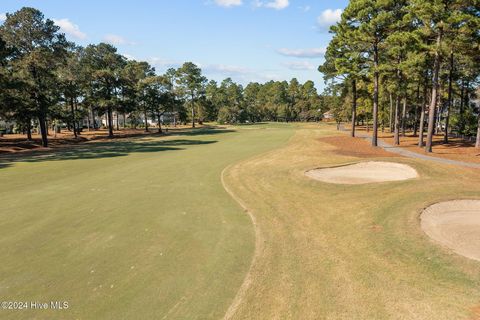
(204, 131)
(454, 144)
(99, 150)
(4, 165)
(251, 124)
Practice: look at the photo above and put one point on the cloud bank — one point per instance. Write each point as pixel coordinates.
(116, 40)
(302, 53)
(68, 27)
(228, 3)
(329, 17)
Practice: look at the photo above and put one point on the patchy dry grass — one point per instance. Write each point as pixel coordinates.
(350, 252)
(142, 228)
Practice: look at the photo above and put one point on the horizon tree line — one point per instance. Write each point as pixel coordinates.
(46, 80)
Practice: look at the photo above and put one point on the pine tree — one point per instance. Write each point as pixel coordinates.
(39, 50)
(369, 21)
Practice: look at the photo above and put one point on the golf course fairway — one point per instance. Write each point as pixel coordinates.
(129, 229)
(156, 228)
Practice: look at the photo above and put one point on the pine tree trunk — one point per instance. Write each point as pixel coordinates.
(421, 130)
(72, 108)
(397, 121)
(435, 87)
(415, 124)
(461, 121)
(89, 123)
(449, 102)
(438, 126)
(404, 117)
(477, 143)
(159, 123)
(391, 112)
(79, 123)
(110, 122)
(29, 130)
(193, 112)
(42, 116)
(354, 106)
(375, 95)
(146, 121)
(94, 122)
(43, 130)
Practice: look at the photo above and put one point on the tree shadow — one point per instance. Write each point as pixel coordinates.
(454, 144)
(204, 131)
(4, 165)
(251, 124)
(99, 150)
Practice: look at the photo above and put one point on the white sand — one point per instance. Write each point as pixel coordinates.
(364, 172)
(456, 225)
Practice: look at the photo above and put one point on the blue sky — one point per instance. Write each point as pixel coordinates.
(247, 40)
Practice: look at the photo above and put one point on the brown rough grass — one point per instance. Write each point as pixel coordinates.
(350, 252)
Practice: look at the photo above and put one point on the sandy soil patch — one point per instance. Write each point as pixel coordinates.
(364, 172)
(456, 225)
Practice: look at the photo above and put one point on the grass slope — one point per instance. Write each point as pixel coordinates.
(131, 229)
(351, 252)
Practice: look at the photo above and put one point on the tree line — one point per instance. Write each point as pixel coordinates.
(407, 65)
(47, 80)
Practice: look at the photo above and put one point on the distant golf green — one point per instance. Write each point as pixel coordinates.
(138, 228)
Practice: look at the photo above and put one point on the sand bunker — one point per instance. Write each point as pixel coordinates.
(456, 225)
(364, 172)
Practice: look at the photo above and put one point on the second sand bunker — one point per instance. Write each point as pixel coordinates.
(364, 172)
(456, 225)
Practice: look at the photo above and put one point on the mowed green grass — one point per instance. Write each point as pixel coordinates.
(129, 229)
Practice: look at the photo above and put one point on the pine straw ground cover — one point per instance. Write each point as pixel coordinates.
(457, 148)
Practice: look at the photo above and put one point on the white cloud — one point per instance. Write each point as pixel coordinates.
(299, 65)
(275, 4)
(227, 69)
(329, 17)
(239, 74)
(128, 56)
(305, 9)
(162, 63)
(229, 3)
(3, 17)
(116, 40)
(68, 27)
(302, 53)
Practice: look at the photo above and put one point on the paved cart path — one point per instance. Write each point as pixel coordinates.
(410, 154)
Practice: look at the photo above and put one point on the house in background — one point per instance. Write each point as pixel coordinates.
(119, 120)
(7, 126)
(328, 116)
